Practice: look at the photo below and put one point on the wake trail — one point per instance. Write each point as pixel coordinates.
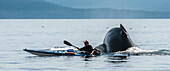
(139, 52)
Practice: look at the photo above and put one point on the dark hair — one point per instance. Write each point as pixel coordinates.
(86, 41)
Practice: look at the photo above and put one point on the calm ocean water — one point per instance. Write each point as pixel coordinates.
(16, 34)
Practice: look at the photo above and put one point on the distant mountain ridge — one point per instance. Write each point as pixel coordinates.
(40, 9)
(146, 5)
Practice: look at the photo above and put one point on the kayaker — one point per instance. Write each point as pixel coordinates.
(88, 48)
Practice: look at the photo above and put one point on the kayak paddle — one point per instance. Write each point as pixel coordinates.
(69, 44)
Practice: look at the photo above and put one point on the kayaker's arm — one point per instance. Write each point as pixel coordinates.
(92, 52)
(77, 48)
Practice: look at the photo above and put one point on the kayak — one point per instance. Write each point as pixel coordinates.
(65, 52)
(54, 52)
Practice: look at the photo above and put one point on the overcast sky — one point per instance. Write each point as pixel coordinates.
(150, 5)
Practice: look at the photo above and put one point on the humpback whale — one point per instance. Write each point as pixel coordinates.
(116, 39)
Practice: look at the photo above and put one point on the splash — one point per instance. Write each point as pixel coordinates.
(139, 52)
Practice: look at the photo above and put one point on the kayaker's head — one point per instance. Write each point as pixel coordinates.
(86, 43)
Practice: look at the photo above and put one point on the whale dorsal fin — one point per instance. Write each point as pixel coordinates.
(121, 26)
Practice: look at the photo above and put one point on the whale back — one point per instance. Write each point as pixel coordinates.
(117, 39)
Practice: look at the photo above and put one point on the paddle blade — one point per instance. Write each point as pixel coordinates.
(67, 43)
